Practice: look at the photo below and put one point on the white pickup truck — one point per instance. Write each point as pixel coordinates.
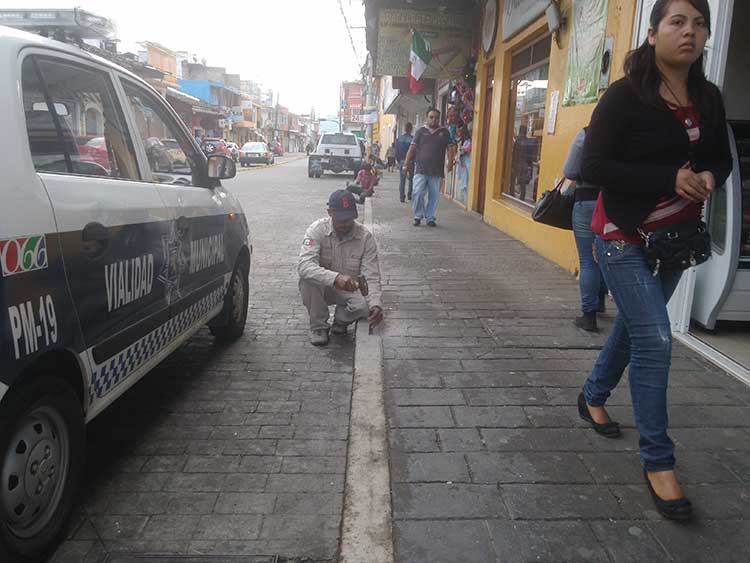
(337, 152)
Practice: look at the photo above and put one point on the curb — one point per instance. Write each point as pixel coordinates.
(366, 535)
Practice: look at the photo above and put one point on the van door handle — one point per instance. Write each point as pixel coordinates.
(95, 232)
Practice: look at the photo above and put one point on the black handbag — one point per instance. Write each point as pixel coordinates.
(555, 208)
(677, 247)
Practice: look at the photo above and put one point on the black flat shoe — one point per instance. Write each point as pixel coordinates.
(679, 510)
(608, 429)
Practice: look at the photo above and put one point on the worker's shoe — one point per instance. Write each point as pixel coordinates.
(339, 329)
(587, 322)
(319, 337)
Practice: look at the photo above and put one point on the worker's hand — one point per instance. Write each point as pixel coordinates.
(376, 316)
(406, 169)
(708, 179)
(692, 186)
(346, 283)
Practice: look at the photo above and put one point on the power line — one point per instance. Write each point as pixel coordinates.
(349, 31)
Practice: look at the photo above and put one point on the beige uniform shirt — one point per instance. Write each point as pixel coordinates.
(323, 256)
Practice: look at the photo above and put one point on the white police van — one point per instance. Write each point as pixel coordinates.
(111, 257)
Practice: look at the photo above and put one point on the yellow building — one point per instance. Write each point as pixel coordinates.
(522, 129)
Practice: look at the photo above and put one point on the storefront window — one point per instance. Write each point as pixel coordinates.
(528, 99)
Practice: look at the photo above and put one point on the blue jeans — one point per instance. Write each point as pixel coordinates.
(641, 337)
(403, 178)
(593, 288)
(425, 186)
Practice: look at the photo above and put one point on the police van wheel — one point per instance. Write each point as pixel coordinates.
(235, 304)
(42, 448)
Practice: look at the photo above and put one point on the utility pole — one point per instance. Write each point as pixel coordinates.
(341, 107)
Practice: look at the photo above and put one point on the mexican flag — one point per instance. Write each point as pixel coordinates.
(419, 57)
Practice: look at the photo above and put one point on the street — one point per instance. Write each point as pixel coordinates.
(241, 451)
(238, 450)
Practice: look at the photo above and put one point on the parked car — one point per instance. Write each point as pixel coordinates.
(94, 149)
(277, 148)
(212, 146)
(337, 152)
(233, 151)
(256, 152)
(99, 279)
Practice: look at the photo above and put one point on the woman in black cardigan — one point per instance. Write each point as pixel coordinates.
(658, 146)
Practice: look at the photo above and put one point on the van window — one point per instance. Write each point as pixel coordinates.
(338, 139)
(170, 156)
(86, 134)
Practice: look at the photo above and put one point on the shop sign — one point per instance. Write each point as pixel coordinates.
(517, 14)
(449, 36)
(589, 26)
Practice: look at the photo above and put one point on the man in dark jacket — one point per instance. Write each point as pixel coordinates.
(402, 147)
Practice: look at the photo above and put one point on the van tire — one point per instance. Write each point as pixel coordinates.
(44, 419)
(235, 304)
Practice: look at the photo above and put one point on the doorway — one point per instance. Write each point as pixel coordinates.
(489, 84)
(720, 315)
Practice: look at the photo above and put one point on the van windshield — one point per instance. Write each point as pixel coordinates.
(338, 139)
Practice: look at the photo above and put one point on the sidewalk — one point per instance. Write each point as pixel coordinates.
(489, 460)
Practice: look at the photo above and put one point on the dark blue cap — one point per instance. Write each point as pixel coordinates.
(343, 205)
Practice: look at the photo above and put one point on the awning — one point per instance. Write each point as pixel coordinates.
(407, 103)
(175, 93)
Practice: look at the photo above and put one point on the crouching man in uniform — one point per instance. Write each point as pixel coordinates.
(337, 250)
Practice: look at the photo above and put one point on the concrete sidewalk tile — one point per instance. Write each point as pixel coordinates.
(460, 440)
(538, 502)
(720, 501)
(405, 440)
(164, 463)
(420, 417)
(245, 503)
(406, 381)
(469, 380)
(72, 552)
(212, 464)
(313, 464)
(738, 463)
(442, 541)
(430, 467)
(414, 397)
(139, 503)
(489, 416)
(433, 500)
(518, 541)
(192, 503)
(245, 482)
(554, 417)
(703, 541)
(538, 439)
(170, 527)
(507, 396)
(195, 482)
(299, 527)
(118, 527)
(330, 504)
(628, 542)
(260, 464)
(614, 467)
(714, 439)
(311, 447)
(229, 527)
(305, 483)
(527, 467)
(635, 501)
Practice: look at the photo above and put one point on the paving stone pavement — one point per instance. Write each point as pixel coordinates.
(230, 451)
(489, 461)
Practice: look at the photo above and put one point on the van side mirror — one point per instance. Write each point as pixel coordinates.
(221, 167)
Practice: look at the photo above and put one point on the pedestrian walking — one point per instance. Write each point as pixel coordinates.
(338, 260)
(592, 286)
(428, 148)
(402, 148)
(657, 145)
(390, 156)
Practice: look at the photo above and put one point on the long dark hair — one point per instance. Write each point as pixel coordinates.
(644, 75)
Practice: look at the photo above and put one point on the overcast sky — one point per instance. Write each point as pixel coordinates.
(299, 47)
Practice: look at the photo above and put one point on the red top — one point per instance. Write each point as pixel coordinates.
(668, 210)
